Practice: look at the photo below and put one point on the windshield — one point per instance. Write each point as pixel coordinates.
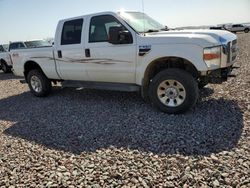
(141, 22)
(37, 43)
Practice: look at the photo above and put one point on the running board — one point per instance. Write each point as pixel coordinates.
(101, 86)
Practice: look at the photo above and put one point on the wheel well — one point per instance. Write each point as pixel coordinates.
(165, 63)
(30, 65)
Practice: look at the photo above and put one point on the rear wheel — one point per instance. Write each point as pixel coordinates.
(246, 30)
(5, 67)
(38, 83)
(173, 91)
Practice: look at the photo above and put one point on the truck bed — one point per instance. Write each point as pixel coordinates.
(44, 56)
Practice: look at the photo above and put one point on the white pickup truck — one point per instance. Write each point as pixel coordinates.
(238, 28)
(5, 60)
(129, 51)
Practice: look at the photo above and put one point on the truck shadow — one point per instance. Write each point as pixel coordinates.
(84, 121)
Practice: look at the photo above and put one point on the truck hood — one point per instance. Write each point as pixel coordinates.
(202, 37)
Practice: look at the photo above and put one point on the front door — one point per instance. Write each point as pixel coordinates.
(108, 62)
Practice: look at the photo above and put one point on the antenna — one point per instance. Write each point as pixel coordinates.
(143, 11)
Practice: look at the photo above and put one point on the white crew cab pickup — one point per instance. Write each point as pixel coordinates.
(129, 51)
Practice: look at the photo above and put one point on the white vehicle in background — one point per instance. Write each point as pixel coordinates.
(5, 60)
(7, 52)
(238, 28)
(28, 44)
(129, 51)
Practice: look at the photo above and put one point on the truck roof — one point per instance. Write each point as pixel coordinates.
(87, 15)
(94, 14)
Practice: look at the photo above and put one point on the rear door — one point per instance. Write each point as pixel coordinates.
(69, 50)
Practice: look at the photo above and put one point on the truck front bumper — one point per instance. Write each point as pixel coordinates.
(219, 76)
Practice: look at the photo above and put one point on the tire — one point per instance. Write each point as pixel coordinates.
(173, 91)
(5, 67)
(246, 30)
(39, 84)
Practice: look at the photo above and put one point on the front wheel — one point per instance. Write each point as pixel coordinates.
(173, 91)
(246, 30)
(39, 84)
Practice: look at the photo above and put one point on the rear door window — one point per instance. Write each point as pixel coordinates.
(72, 32)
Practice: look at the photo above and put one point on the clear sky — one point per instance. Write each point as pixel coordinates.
(35, 19)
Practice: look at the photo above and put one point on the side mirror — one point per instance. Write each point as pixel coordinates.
(119, 36)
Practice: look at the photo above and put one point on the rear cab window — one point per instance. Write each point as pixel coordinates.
(16, 45)
(37, 44)
(72, 32)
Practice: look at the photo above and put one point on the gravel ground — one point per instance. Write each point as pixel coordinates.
(76, 138)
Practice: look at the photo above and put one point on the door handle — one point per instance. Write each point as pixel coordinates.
(87, 52)
(59, 53)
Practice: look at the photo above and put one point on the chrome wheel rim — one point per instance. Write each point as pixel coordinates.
(171, 93)
(36, 84)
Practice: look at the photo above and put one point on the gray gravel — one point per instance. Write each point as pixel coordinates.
(76, 138)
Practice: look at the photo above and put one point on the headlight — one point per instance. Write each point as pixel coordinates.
(212, 57)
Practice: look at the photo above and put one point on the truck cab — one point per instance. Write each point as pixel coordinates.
(85, 41)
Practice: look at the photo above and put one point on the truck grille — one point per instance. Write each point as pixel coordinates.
(232, 51)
